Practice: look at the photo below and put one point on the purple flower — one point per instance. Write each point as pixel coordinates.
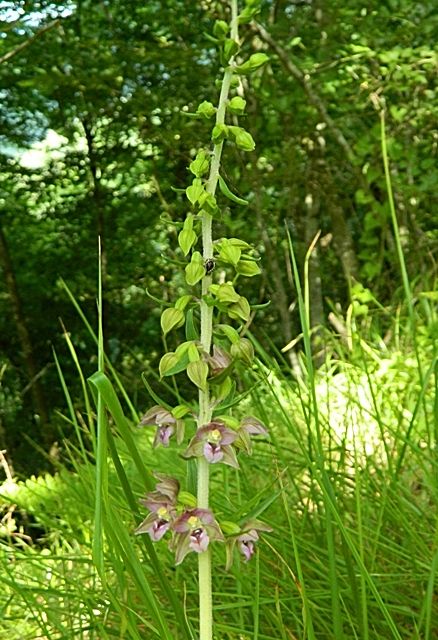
(194, 529)
(156, 524)
(245, 543)
(213, 441)
(245, 540)
(166, 425)
(162, 506)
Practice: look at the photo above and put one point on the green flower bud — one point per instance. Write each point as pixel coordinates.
(237, 105)
(254, 62)
(219, 133)
(206, 110)
(220, 29)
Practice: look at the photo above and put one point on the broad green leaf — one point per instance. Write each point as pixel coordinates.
(182, 302)
(248, 268)
(208, 203)
(187, 238)
(173, 363)
(195, 270)
(195, 190)
(225, 292)
(167, 363)
(223, 389)
(188, 222)
(193, 353)
(171, 319)
(192, 332)
(241, 310)
(180, 411)
(182, 348)
(248, 13)
(229, 331)
(237, 242)
(197, 373)
(229, 253)
(200, 164)
(229, 194)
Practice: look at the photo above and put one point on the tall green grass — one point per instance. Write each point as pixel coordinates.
(355, 502)
(348, 480)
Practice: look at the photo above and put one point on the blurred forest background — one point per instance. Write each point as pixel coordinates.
(95, 141)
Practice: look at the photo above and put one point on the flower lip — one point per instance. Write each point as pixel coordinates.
(163, 434)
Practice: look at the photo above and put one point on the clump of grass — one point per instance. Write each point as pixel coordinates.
(382, 510)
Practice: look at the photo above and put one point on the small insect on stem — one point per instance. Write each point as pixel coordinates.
(209, 266)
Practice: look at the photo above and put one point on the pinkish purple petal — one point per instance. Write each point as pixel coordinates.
(199, 540)
(158, 529)
(163, 435)
(155, 526)
(246, 543)
(246, 548)
(213, 453)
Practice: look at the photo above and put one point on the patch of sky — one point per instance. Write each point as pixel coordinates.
(14, 11)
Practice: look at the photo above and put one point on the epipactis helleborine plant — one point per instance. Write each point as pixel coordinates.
(210, 355)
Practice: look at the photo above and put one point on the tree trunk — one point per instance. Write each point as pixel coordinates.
(343, 243)
(277, 290)
(27, 352)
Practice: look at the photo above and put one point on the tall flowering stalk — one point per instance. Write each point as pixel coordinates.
(208, 357)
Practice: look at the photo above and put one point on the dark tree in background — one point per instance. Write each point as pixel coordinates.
(114, 82)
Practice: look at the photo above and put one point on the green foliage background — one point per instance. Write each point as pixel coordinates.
(113, 79)
(354, 547)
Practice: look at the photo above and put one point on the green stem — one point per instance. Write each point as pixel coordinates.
(205, 411)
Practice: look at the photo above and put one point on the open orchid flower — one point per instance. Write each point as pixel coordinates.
(193, 531)
(213, 441)
(166, 425)
(162, 504)
(245, 540)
